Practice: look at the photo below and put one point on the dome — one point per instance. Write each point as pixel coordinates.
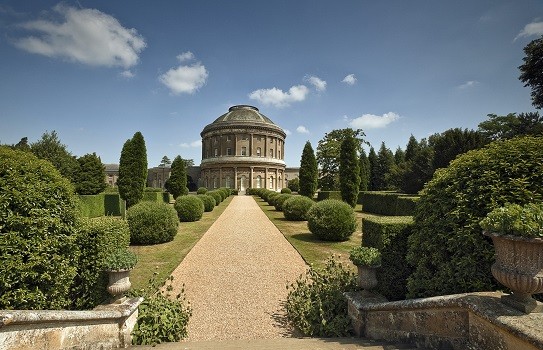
(242, 116)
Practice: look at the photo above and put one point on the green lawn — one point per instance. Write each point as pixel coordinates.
(164, 258)
(313, 250)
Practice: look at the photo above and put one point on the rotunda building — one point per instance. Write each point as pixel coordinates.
(243, 149)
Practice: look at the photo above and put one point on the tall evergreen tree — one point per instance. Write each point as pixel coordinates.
(177, 183)
(349, 171)
(411, 149)
(309, 173)
(372, 160)
(385, 163)
(364, 164)
(133, 170)
(90, 179)
(399, 156)
(418, 170)
(450, 143)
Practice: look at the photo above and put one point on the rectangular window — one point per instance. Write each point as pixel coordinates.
(228, 151)
(271, 153)
(216, 152)
(227, 137)
(243, 151)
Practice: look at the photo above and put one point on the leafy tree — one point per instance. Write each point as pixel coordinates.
(328, 151)
(364, 165)
(177, 183)
(294, 184)
(22, 145)
(532, 71)
(503, 127)
(309, 173)
(164, 163)
(133, 170)
(90, 179)
(50, 148)
(385, 163)
(372, 160)
(349, 171)
(453, 142)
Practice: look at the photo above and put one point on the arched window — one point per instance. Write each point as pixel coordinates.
(271, 182)
(215, 182)
(228, 182)
(258, 151)
(258, 181)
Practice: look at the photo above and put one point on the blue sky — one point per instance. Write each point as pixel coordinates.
(98, 71)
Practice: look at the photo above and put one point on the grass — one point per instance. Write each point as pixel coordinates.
(313, 250)
(164, 258)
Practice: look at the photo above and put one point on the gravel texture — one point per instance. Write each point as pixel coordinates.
(235, 277)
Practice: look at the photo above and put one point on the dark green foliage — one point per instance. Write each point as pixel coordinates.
(265, 194)
(322, 195)
(451, 143)
(113, 204)
(133, 170)
(447, 249)
(364, 165)
(383, 169)
(389, 235)
(22, 145)
(201, 190)
(91, 175)
(234, 192)
(294, 184)
(154, 196)
(38, 254)
(280, 200)
(309, 174)
(503, 127)
(286, 190)
(162, 317)
(189, 208)
(315, 302)
(271, 198)
(531, 70)
(177, 183)
(97, 239)
(399, 156)
(225, 192)
(417, 170)
(372, 160)
(331, 220)
(388, 203)
(152, 223)
(91, 206)
(209, 202)
(216, 195)
(50, 148)
(295, 208)
(349, 171)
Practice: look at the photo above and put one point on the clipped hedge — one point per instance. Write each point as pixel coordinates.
(389, 234)
(331, 220)
(114, 205)
(286, 190)
(323, 195)
(295, 208)
(279, 200)
(209, 202)
(216, 195)
(38, 251)
(92, 205)
(271, 198)
(96, 238)
(154, 196)
(189, 208)
(447, 249)
(152, 222)
(388, 203)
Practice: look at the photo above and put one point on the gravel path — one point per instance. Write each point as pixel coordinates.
(235, 277)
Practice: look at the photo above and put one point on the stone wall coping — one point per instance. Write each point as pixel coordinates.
(486, 305)
(258, 161)
(102, 312)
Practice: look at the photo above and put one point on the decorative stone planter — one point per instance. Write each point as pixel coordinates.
(519, 267)
(367, 278)
(119, 283)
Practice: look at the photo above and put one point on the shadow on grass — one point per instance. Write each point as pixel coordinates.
(307, 237)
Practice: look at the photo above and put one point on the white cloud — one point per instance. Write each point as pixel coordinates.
(371, 121)
(185, 56)
(349, 79)
(127, 74)
(468, 84)
(193, 144)
(287, 132)
(185, 79)
(531, 29)
(318, 83)
(86, 36)
(302, 129)
(278, 98)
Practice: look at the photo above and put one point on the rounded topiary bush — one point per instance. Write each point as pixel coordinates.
(447, 249)
(265, 194)
(189, 208)
(286, 190)
(201, 190)
(216, 195)
(295, 208)
(209, 202)
(331, 220)
(38, 255)
(152, 222)
(271, 198)
(279, 200)
(226, 192)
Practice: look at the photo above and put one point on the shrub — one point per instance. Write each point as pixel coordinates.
(389, 235)
(286, 190)
(152, 223)
(120, 259)
(294, 185)
(516, 220)
(388, 203)
(226, 192)
(250, 191)
(97, 239)
(189, 208)
(37, 246)
(201, 190)
(161, 317)
(280, 200)
(266, 193)
(447, 249)
(322, 195)
(295, 208)
(271, 198)
(234, 192)
(315, 302)
(216, 195)
(92, 205)
(331, 220)
(209, 202)
(365, 256)
(153, 196)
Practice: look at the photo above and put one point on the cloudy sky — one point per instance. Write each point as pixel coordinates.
(98, 71)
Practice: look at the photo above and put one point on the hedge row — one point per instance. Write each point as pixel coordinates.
(322, 195)
(388, 203)
(102, 204)
(389, 235)
(156, 196)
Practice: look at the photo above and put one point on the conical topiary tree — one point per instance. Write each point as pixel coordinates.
(349, 171)
(308, 172)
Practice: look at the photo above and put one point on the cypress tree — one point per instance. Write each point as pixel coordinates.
(385, 163)
(177, 183)
(372, 160)
(308, 172)
(349, 171)
(364, 164)
(133, 170)
(90, 178)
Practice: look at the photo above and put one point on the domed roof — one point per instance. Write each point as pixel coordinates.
(243, 113)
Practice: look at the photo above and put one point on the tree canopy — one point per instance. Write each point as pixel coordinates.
(90, 179)
(532, 71)
(50, 148)
(503, 127)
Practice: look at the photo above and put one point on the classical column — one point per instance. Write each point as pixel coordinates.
(266, 179)
(220, 176)
(251, 146)
(251, 178)
(236, 178)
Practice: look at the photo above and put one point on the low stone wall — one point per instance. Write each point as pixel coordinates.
(463, 321)
(105, 327)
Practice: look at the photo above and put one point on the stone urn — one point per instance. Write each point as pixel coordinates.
(519, 267)
(367, 278)
(119, 283)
